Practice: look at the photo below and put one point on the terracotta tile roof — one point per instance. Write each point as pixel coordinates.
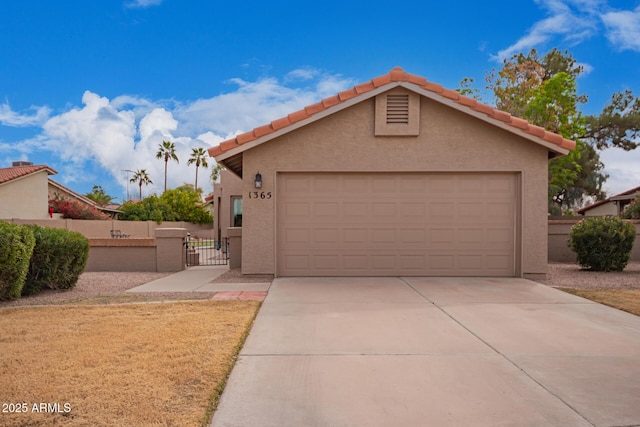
(15, 172)
(395, 75)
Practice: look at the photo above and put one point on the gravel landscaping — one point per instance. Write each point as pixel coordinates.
(110, 287)
(561, 275)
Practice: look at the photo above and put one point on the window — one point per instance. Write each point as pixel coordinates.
(236, 211)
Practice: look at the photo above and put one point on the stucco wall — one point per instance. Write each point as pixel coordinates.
(604, 209)
(96, 229)
(448, 141)
(25, 197)
(230, 185)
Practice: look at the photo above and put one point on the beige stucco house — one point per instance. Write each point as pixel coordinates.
(397, 176)
(24, 191)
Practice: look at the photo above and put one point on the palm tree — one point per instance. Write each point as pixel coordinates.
(141, 177)
(99, 196)
(166, 150)
(199, 157)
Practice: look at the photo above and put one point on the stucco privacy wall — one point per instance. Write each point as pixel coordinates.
(96, 229)
(449, 141)
(25, 197)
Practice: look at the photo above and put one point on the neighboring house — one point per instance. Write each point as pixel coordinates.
(227, 203)
(613, 205)
(24, 191)
(394, 177)
(58, 190)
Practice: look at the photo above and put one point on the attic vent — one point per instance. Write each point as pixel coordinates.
(397, 113)
(398, 109)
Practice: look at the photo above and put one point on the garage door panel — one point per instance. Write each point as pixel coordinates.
(328, 263)
(396, 224)
(326, 209)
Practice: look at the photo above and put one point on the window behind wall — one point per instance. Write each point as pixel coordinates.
(236, 211)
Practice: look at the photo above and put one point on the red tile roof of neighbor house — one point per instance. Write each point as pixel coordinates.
(395, 75)
(15, 172)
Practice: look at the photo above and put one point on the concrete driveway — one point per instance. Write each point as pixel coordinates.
(433, 352)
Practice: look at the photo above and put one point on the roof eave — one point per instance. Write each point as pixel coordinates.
(297, 125)
(554, 150)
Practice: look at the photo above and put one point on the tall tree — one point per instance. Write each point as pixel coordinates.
(215, 173)
(141, 177)
(543, 90)
(199, 157)
(166, 151)
(99, 196)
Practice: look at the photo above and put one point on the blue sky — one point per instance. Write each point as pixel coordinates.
(92, 87)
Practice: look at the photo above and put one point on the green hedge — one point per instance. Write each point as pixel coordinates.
(602, 243)
(16, 247)
(58, 259)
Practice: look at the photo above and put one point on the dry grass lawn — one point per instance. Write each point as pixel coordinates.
(127, 365)
(626, 300)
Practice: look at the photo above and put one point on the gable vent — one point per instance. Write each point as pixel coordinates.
(398, 109)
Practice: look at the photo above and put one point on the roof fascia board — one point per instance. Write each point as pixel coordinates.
(497, 123)
(297, 125)
(372, 93)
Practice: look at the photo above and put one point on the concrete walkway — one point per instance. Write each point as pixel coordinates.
(198, 279)
(433, 352)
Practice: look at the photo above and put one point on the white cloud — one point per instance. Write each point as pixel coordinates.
(574, 21)
(8, 117)
(622, 167)
(141, 4)
(254, 104)
(623, 28)
(124, 133)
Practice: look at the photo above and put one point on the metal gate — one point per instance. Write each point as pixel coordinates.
(207, 252)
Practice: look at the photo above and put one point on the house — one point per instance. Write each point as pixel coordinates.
(396, 176)
(60, 191)
(613, 205)
(24, 191)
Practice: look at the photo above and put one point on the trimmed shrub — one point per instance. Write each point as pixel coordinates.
(602, 243)
(16, 247)
(58, 259)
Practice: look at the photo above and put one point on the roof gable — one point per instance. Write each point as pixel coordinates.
(625, 195)
(228, 151)
(16, 172)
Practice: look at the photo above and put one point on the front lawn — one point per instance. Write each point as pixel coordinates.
(125, 365)
(626, 300)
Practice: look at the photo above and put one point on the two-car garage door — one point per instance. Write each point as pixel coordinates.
(395, 224)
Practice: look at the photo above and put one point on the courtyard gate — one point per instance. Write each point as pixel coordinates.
(206, 252)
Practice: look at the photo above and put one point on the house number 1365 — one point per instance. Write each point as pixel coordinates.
(260, 195)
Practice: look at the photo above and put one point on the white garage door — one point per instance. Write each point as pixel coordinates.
(392, 224)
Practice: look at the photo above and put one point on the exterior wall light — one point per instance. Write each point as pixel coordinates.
(258, 181)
